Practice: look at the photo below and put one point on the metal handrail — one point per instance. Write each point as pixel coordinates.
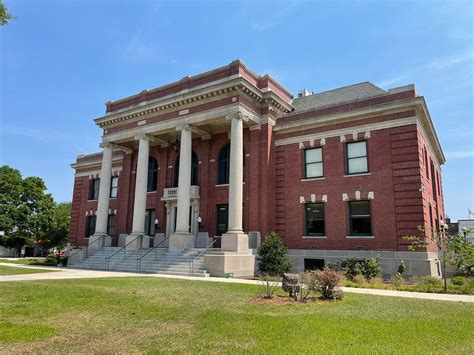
(191, 263)
(155, 248)
(102, 237)
(69, 257)
(124, 248)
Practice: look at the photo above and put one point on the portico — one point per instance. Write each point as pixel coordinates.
(181, 223)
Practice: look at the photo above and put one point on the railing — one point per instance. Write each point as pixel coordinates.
(102, 238)
(171, 193)
(155, 248)
(191, 263)
(124, 249)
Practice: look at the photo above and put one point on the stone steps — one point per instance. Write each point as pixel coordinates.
(165, 263)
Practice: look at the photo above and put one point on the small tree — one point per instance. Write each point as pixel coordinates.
(272, 263)
(271, 256)
(463, 256)
(443, 242)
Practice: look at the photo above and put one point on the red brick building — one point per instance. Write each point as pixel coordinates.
(339, 174)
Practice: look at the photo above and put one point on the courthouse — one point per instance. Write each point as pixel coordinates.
(194, 174)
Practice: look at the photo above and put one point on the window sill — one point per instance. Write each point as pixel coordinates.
(314, 237)
(361, 174)
(151, 192)
(313, 179)
(95, 200)
(226, 185)
(360, 237)
(112, 198)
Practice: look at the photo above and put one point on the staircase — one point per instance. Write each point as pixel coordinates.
(168, 263)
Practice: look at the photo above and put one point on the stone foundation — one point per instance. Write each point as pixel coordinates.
(241, 264)
(417, 263)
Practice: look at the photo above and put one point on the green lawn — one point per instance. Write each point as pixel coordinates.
(11, 270)
(165, 315)
(35, 261)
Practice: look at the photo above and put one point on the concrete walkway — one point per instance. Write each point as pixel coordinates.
(70, 274)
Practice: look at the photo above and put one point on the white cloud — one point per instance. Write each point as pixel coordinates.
(443, 63)
(274, 17)
(396, 80)
(460, 154)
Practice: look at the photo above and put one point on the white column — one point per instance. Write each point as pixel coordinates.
(141, 179)
(104, 196)
(235, 239)
(184, 181)
(182, 239)
(236, 173)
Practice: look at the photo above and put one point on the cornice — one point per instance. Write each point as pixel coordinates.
(94, 163)
(237, 85)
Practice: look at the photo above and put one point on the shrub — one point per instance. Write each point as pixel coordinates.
(458, 281)
(368, 267)
(271, 256)
(401, 268)
(52, 259)
(269, 285)
(359, 279)
(397, 279)
(327, 282)
(427, 283)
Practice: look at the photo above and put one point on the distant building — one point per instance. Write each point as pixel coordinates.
(339, 174)
(466, 227)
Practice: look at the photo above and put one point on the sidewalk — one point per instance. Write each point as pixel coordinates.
(70, 274)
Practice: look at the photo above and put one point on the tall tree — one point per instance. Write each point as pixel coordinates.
(5, 15)
(26, 210)
(58, 230)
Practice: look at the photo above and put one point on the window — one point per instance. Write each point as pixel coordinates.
(90, 226)
(113, 187)
(359, 218)
(111, 222)
(194, 170)
(94, 189)
(425, 158)
(313, 163)
(224, 165)
(356, 153)
(313, 264)
(150, 222)
(152, 174)
(314, 219)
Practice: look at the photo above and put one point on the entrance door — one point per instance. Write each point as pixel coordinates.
(176, 217)
(222, 219)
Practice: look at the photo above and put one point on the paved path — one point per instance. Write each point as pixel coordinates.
(69, 274)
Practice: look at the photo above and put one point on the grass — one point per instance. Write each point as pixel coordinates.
(422, 284)
(36, 261)
(165, 315)
(12, 270)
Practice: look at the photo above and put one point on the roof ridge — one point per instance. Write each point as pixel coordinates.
(344, 87)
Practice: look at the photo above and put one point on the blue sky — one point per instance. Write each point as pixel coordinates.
(62, 60)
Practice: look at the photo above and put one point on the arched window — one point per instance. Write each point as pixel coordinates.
(194, 170)
(152, 174)
(224, 164)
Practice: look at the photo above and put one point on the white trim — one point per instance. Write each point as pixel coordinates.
(360, 237)
(314, 179)
(95, 172)
(361, 174)
(349, 130)
(314, 237)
